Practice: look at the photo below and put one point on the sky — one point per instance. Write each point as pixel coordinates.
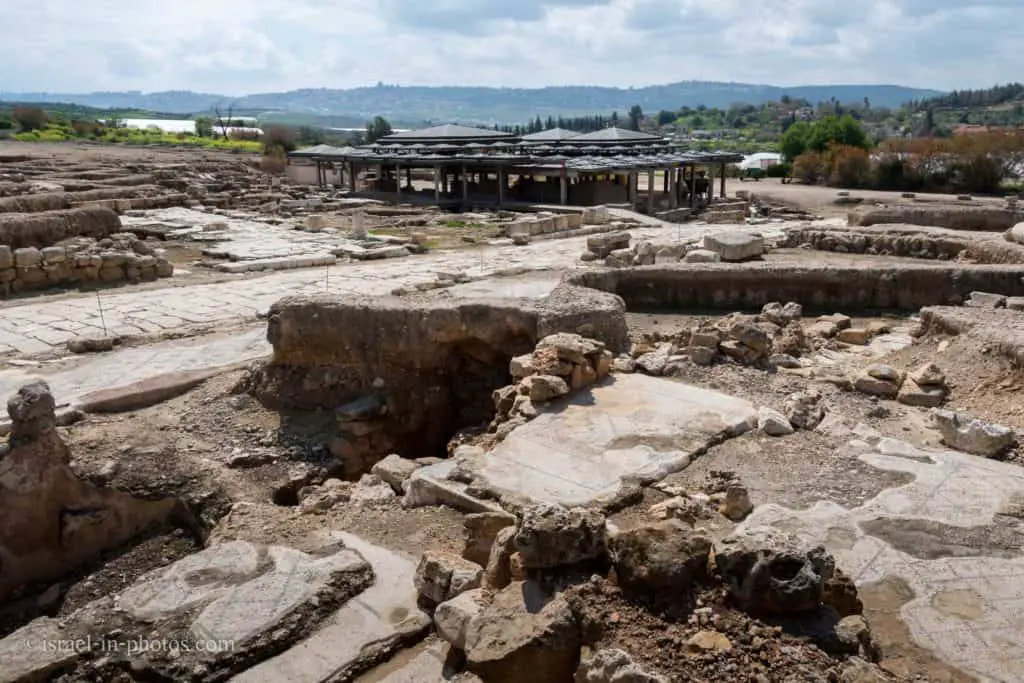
(235, 47)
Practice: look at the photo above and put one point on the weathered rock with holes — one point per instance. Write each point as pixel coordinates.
(805, 409)
(752, 337)
(970, 435)
(736, 503)
(782, 315)
(613, 666)
(442, 576)
(771, 572)
(662, 558)
(320, 499)
(553, 536)
(524, 630)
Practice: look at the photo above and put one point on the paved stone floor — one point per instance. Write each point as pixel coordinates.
(30, 327)
(127, 366)
(937, 534)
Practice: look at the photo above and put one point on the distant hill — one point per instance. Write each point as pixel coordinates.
(484, 105)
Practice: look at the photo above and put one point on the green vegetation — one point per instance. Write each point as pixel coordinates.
(802, 137)
(377, 129)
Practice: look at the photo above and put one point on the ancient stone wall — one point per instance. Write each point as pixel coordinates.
(408, 372)
(46, 228)
(986, 218)
(751, 286)
(29, 269)
(908, 241)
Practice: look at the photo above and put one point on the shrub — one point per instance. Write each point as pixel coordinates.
(278, 137)
(274, 160)
(849, 166)
(779, 171)
(811, 168)
(29, 118)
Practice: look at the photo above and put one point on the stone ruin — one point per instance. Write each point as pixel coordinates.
(51, 521)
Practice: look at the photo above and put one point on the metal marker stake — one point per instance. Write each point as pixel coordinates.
(99, 305)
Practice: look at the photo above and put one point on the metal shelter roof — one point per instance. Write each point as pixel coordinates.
(551, 135)
(448, 132)
(616, 136)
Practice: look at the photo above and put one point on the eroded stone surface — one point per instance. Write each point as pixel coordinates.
(951, 490)
(632, 428)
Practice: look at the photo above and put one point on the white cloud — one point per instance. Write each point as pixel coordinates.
(237, 47)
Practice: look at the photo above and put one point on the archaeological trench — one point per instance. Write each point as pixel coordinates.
(766, 447)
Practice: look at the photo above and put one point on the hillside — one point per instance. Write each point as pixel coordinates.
(497, 105)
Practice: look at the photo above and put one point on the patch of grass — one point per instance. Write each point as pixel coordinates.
(135, 136)
(455, 224)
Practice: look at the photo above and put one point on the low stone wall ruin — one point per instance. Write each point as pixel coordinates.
(46, 228)
(908, 241)
(751, 286)
(985, 218)
(409, 372)
(105, 262)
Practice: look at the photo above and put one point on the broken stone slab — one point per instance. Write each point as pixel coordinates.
(594, 446)
(524, 630)
(879, 380)
(92, 344)
(442, 576)
(735, 245)
(1015, 303)
(395, 471)
(603, 245)
(986, 300)
(970, 435)
(362, 632)
(620, 258)
(913, 394)
(453, 617)
(481, 530)
(858, 336)
(773, 423)
(382, 253)
(701, 256)
(430, 665)
(782, 315)
(33, 652)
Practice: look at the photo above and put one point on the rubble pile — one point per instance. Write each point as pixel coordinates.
(557, 585)
(560, 365)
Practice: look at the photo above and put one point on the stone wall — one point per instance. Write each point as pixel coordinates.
(29, 269)
(46, 228)
(985, 218)
(411, 371)
(751, 286)
(545, 225)
(908, 241)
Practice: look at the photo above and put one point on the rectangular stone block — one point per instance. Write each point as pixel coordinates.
(27, 257)
(6, 256)
(575, 220)
(735, 246)
(561, 223)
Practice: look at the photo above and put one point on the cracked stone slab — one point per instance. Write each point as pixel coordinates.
(32, 653)
(365, 630)
(582, 449)
(954, 535)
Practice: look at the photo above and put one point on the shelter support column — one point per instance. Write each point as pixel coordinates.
(673, 191)
(721, 192)
(564, 189)
(650, 192)
(501, 186)
(711, 183)
(437, 187)
(664, 181)
(693, 184)
(465, 185)
(398, 180)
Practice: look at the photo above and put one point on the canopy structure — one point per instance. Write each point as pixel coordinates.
(602, 166)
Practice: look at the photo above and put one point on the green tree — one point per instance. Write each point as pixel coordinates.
(204, 127)
(666, 117)
(377, 129)
(794, 140)
(636, 115)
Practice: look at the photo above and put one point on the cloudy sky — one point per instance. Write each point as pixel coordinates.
(235, 47)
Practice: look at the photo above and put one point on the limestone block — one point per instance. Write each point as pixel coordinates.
(971, 435)
(701, 256)
(54, 254)
(620, 258)
(603, 245)
(736, 245)
(561, 223)
(6, 256)
(27, 257)
(986, 300)
(8, 274)
(574, 220)
(443, 576)
(452, 617)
